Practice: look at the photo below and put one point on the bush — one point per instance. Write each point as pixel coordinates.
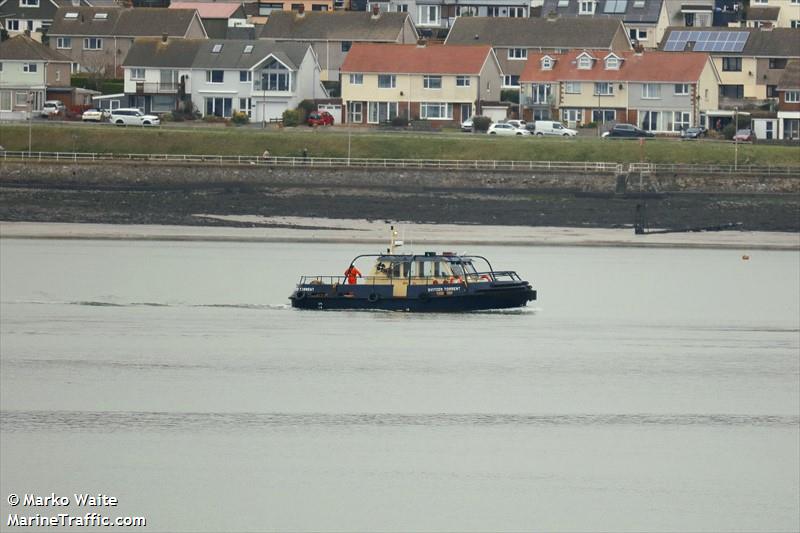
(729, 131)
(481, 123)
(291, 117)
(400, 121)
(306, 107)
(240, 118)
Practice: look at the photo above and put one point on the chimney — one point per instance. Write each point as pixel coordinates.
(164, 37)
(376, 11)
(638, 48)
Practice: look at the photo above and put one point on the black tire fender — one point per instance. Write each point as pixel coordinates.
(299, 295)
(373, 297)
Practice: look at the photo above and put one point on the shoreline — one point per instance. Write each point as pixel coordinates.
(338, 231)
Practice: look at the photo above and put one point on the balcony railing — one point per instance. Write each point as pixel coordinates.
(259, 86)
(143, 87)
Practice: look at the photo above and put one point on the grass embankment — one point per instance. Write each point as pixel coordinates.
(327, 143)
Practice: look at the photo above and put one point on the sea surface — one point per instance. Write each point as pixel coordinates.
(646, 390)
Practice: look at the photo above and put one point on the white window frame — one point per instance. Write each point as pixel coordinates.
(391, 78)
(30, 68)
(641, 35)
(586, 7)
(210, 76)
(651, 91)
(6, 96)
(612, 63)
(602, 112)
(463, 81)
(137, 74)
(424, 15)
(600, 85)
(12, 24)
(28, 3)
(518, 54)
(681, 120)
(761, 2)
(547, 63)
(516, 12)
(375, 108)
(585, 63)
(572, 111)
(64, 43)
(248, 106)
(682, 89)
(352, 113)
(792, 97)
(20, 101)
(443, 107)
(97, 41)
(508, 81)
(357, 79)
(572, 87)
(431, 82)
(248, 76)
(794, 24)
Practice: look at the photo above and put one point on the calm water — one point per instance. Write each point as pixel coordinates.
(647, 390)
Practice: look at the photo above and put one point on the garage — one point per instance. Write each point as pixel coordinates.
(271, 111)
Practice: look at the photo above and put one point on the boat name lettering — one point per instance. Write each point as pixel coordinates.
(444, 289)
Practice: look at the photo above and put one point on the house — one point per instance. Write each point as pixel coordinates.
(441, 84)
(512, 38)
(773, 14)
(33, 16)
(29, 74)
(644, 20)
(697, 14)
(264, 8)
(262, 78)
(432, 15)
(789, 102)
(218, 17)
(750, 63)
(98, 39)
(331, 34)
(657, 91)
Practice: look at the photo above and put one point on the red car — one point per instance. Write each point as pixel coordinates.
(321, 118)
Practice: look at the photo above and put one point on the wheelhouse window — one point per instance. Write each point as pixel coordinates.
(274, 77)
(432, 82)
(386, 81)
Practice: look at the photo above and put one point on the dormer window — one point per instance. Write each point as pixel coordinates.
(217, 48)
(547, 63)
(585, 62)
(248, 49)
(563, 3)
(612, 62)
(100, 16)
(586, 7)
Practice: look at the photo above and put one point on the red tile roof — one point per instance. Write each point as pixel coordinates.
(414, 59)
(648, 66)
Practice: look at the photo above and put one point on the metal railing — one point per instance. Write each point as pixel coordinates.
(583, 167)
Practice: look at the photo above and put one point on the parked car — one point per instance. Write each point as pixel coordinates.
(467, 124)
(516, 123)
(52, 108)
(94, 115)
(695, 132)
(551, 127)
(503, 128)
(627, 130)
(133, 117)
(744, 135)
(320, 118)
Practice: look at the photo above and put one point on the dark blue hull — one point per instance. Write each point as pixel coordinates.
(492, 296)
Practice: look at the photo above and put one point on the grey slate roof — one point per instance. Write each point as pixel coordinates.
(123, 22)
(535, 33)
(23, 48)
(790, 79)
(630, 12)
(334, 26)
(197, 53)
(779, 42)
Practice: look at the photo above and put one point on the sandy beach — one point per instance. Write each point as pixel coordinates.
(416, 236)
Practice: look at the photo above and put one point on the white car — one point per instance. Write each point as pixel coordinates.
(52, 108)
(516, 123)
(94, 115)
(133, 117)
(467, 124)
(504, 128)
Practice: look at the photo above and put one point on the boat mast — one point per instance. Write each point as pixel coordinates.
(394, 242)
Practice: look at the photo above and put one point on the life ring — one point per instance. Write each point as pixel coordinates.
(485, 277)
(299, 295)
(374, 297)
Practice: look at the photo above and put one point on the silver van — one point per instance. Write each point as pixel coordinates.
(550, 127)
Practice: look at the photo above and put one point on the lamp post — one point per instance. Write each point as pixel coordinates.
(735, 140)
(30, 122)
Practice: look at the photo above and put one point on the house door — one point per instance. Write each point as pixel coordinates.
(768, 129)
(466, 111)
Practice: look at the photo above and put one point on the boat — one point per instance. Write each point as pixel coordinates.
(427, 282)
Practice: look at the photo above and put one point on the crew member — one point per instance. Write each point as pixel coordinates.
(352, 272)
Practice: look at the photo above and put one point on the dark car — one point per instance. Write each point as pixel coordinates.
(627, 130)
(695, 132)
(321, 118)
